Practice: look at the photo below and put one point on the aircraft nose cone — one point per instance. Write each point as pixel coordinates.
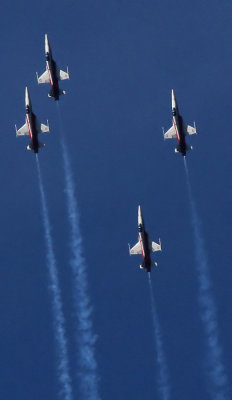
(173, 100)
(139, 215)
(46, 44)
(27, 96)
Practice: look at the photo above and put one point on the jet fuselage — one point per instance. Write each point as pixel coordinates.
(52, 70)
(180, 131)
(31, 124)
(33, 134)
(145, 248)
(52, 74)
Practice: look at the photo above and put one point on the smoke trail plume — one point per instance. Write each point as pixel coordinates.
(59, 322)
(163, 381)
(86, 338)
(217, 378)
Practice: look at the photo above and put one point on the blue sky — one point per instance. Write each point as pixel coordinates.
(124, 58)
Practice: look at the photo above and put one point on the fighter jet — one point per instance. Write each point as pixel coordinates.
(144, 245)
(32, 126)
(179, 129)
(52, 74)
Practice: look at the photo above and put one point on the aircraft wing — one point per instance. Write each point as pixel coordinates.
(136, 249)
(155, 246)
(170, 134)
(44, 78)
(191, 130)
(62, 75)
(23, 131)
(44, 128)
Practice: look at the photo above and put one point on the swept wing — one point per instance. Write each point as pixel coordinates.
(170, 134)
(136, 249)
(23, 131)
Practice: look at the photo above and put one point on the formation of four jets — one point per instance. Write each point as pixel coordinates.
(33, 127)
(52, 75)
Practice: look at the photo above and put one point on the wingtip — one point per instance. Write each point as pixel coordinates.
(163, 132)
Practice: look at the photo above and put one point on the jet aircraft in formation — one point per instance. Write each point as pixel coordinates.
(179, 129)
(144, 246)
(32, 126)
(52, 74)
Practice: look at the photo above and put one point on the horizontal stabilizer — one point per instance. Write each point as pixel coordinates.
(62, 91)
(51, 94)
(154, 264)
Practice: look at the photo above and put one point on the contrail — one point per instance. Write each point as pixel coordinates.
(217, 377)
(163, 381)
(59, 322)
(86, 338)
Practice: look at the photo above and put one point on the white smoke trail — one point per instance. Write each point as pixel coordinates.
(163, 381)
(86, 338)
(217, 377)
(59, 322)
